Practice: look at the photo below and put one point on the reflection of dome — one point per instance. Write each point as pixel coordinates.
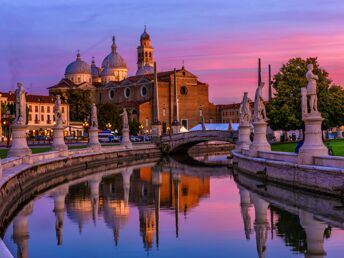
(78, 67)
(114, 60)
(145, 35)
(146, 69)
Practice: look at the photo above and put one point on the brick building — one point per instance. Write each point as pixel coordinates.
(230, 112)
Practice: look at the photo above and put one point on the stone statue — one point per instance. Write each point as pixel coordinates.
(245, 110)
(259, 106)
(312, 88)
(20, 105)
(124, 116)
(94, 119)
(57, 111)
(304, 102)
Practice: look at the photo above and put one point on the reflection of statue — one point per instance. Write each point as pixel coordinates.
(57, 111)
(259, 107)
(20, 105)
(312, 88)
(245, 110)
(94, 119)
(124, 116)
(203, 124)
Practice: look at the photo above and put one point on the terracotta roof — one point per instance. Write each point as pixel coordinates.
(63, 83)
(31, 98)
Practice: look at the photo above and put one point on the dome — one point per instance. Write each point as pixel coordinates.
(95, 71)
(145, 35)
(107, 71)
(114, 60)
(78, 67)
(146, 69)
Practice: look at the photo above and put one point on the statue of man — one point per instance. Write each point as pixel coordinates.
(57, 111)
(124, 116)
(94, 118)
(245, 110)
(312, 88)
(259, 106)
(20, 105)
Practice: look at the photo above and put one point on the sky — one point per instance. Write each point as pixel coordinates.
(217, 40)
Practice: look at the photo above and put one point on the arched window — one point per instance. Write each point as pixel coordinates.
(143, 91)
(127, 92)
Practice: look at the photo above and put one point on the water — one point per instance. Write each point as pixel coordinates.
(132, 215)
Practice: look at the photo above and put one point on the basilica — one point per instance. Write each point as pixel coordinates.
(180, 96)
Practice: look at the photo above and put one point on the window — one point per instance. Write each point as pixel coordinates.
(42, 118)
(164, 112)
(30, 108)
(63, 110)
(48, 119)
(42, 109)
(185, 123)
(146, 122)
(126, 92)
(112, 94)
(30, 117)
(36, 108)
(200, 112)
(143, 91)
(79, 79)
(100, 97)
(184, 90)
(48, 109)
(36, 119)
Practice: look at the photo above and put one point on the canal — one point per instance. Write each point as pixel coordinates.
(171, 210)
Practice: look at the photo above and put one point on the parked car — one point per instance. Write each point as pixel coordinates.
(42, 138)
(135, 138)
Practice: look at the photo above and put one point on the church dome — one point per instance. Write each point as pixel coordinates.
(114, 60)
(95, 71)
(107, 71)
(146, 69)
(78, 67)
(145, 35)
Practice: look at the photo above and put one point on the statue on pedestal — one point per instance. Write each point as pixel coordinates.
(20, 105)
(245, 110)
(312, 89)
(57, 111)
(124, 115)
(259, 106)
(94, 118)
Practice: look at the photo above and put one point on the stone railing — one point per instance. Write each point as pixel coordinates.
(329, 161)
(278, 156)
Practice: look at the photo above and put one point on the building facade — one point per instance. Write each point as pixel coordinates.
(112, 85)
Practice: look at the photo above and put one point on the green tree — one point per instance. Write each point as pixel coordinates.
(109, 113)
(80, 102)
(284, 110)
(134, 127)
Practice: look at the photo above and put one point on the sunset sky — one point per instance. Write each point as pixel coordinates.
(219, 40)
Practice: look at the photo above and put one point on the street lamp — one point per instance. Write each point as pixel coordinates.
(85, 125)
(108, 126)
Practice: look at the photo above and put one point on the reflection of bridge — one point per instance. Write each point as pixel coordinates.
(183, 141)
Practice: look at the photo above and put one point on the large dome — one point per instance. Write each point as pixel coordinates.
(114, 60)
(78, 67)
(95, 70)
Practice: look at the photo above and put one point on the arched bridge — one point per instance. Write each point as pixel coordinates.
(182, 142)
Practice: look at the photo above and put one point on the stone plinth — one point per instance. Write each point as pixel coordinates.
(19, 147)
(313, 144)
(93, 141)
(176, 129)
(126, 139)
(156, 130)
(243, 138)
(260, 143)
(58, 140)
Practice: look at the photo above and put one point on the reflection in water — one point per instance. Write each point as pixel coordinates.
(153, 198)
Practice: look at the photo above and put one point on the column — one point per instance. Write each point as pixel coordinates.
(260, 223)
(175, 123)
(156, 124)
(314, 233)
(21, 231)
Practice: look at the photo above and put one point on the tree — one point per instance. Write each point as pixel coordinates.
(80, 103)
(284, 110)
(109, 114)
(134, 127)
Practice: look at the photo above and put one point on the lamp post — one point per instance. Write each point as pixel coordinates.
(85, 125)
(108, 126)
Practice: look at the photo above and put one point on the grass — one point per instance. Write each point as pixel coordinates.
(337, 146)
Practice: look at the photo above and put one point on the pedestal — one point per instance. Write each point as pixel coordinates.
(313, 144)
(58, 140)
(243, 138)
(176, 129)
(156, 130)
(126, 139)
(260, 143)
(19, 147)
(93, 139)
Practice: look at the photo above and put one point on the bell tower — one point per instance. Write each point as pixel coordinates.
(145, 58)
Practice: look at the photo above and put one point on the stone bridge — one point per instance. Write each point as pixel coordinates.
(182, 142)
